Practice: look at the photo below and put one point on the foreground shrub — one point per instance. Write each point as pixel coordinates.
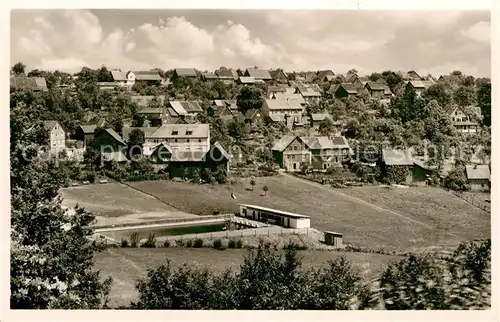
(231, 244)
(166, 243)
(239, 243)
(218, 243)
(198, 243)
(134, 240)
(189, 243)
(272, 279)
(124, 242)
(150, 242)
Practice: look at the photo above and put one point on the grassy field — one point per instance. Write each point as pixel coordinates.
(393, 219)
(125, 265)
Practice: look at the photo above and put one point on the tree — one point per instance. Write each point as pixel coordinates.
(456, 179)
(265, 188)
(438, 92)
(116, 123)
(136, 137)
(19, 68)
(236, 130)
(252, 182)
(51, 251)
(249, 98)
(220, 173)
(465, 96)
(483, 98)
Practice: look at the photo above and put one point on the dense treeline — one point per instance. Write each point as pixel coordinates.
(272, 279)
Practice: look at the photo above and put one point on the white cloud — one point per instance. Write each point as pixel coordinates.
(293, 40)
(480, 31)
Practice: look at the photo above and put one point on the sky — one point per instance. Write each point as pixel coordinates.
(368, 41)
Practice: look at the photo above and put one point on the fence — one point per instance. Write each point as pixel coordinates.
(241, 233)
(166, 221)
(480, 205)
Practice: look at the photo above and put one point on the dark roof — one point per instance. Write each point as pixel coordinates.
(151, 110)
(478, 172)
(28, 83)
(186, 72)
(259, 73)
(349, 88)
(251, 113)
(374, 86)
(274, 89)
(152, 75)
(275, 73)
(227, 73)
(115, 136)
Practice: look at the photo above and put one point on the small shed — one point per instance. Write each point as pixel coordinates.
(333, 238)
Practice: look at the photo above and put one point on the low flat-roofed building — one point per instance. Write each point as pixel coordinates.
(275, 217)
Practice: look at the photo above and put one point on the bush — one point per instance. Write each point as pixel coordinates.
(134, 240)
(166, 243)
(124, 242)
(239, 243)
(294, 246)
(198, 243)
(189, 243)
(150, 242)
(218, 243)
(231, 244)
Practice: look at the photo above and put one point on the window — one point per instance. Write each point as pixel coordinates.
(199, 140)
(189, 132)
(324, 166)
(187, 140)
(293, 156)
(175, 132)
(175, 140)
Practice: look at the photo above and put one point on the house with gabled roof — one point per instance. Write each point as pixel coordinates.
(325, 76)
(249, 80)
(311, 93)
(291, 152)
(344, 90)
(186, 108)
(358, 82)
(376, 89)
(418, 86)
(151, 77)
(119, 77)
(258, 74)
(279, 76)
(462, 122)
(227, 75)
(184, 73)
(57, 136)
(478, 177)
(254, 117)
(416, 169)
(34, 84)
(280, 110)
(412, 75)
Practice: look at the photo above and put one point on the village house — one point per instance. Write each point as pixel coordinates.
(317, 118)
(287, 111)
(412, 75)
(258, 74)
(350, 77)
(238, 155)
(153, 115)
(209, 76)
(184, 148)
(186, 108)
(449, 79)
(376, 90)
(185, 73)
(254, 117)
(110, 145)
(358, 82)
(311, 93)
(248, 80)
(57, 136)
(478, 177)
(279, 76)
(325, 76)
(151, 77)
(226, 75)
(418, 172)
(274, 91)
(344, 90)
(293, 152)
(418, 86)
(463, 122)
(119, 78)
(33, 84)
